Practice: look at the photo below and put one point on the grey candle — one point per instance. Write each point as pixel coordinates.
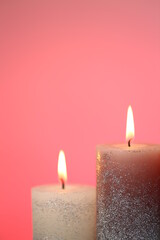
(128, 191)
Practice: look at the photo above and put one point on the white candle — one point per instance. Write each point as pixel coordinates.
(64, 212)
(128, 190)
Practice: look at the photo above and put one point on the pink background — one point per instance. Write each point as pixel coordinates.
(69, 70)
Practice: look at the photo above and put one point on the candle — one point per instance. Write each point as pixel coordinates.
(128, 189)
(64, 212)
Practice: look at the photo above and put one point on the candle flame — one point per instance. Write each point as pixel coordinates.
(62, 169)
(130, 125)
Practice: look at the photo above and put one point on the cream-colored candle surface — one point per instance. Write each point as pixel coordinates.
(64, 214)
(128, 192)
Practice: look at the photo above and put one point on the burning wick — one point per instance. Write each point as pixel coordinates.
(129, 143)
(62, 169)
(63, 183)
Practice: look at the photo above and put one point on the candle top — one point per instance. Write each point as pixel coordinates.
(134, 147)
(57, 188)
(71, 192)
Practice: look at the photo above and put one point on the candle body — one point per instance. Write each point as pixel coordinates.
(128, 192)
(64, 214)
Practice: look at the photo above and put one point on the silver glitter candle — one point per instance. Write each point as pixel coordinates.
(128, 192)
(64, 214)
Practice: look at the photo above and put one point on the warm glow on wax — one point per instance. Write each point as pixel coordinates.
(130, 125)
(62, 169)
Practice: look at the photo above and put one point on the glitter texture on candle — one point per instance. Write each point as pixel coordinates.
(64, 214)
(128, 192)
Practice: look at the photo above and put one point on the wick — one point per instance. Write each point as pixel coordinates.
(63, 184)
(129, 143)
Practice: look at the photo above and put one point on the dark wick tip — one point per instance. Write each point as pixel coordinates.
(63, 184)
(129, 143)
